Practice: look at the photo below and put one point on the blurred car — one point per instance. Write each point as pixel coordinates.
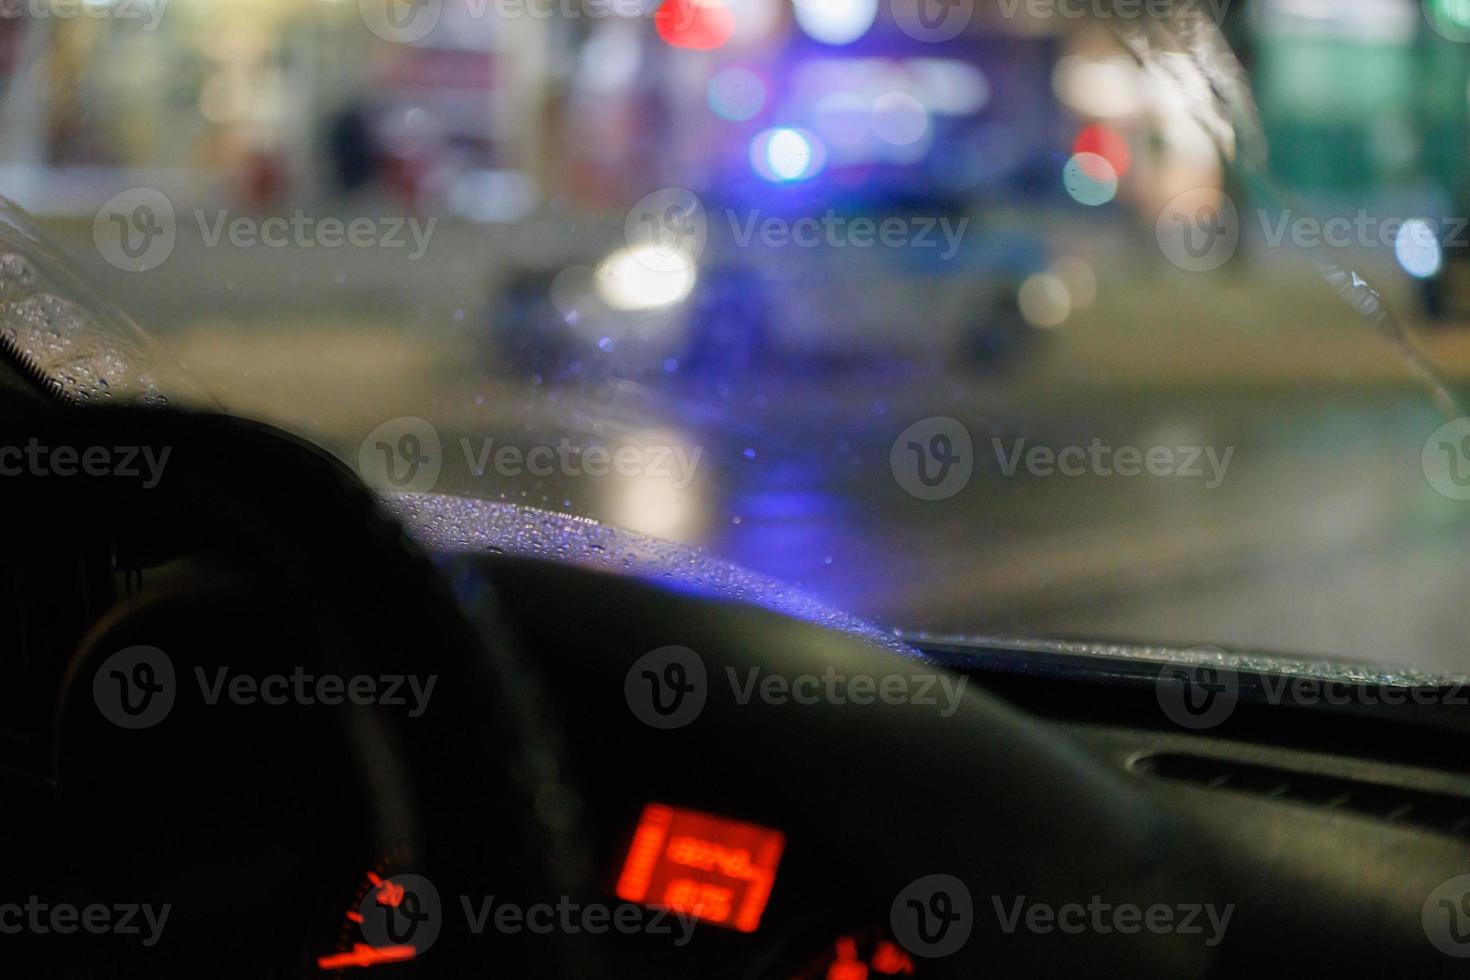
(735, 308)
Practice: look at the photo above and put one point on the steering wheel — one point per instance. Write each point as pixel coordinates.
(250, 807)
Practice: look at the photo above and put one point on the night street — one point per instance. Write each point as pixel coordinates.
(1322, 537)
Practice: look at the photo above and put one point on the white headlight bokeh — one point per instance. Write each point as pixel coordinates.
(640, 278)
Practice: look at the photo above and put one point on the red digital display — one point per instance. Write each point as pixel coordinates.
(718, 870)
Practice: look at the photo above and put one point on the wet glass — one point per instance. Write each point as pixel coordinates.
(1095, 320)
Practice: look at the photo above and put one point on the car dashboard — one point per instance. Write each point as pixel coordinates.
(287, 728)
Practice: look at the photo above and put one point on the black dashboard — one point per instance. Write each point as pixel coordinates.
(250, 713)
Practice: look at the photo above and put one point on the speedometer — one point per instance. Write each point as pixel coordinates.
(386, 917)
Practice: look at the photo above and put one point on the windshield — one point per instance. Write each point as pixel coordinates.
(1056, 318)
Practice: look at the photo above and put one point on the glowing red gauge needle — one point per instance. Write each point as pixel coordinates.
(364, 955)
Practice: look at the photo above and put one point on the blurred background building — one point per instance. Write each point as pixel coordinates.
(504, 104)
(530, 128)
